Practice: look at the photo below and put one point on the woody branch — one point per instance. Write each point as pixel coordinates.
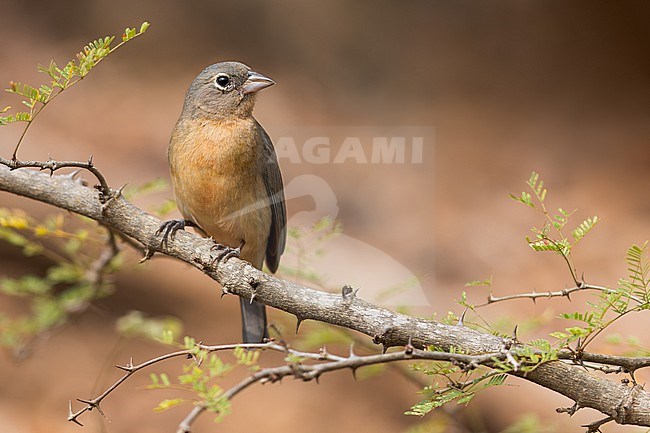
(625, 404)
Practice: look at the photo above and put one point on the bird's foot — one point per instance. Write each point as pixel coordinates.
(169, 228)
(224, 252)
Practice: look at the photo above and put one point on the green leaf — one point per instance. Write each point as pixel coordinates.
(24, 286)
(478, 283)
(31, 93)
(217, 368)
(537, 185)
(585, 227)
(496, 380)
(525, 198)
(220, 406)
(137, 324)
(578, 331)
(65, 273)
(466, 399)
(168, 404)
(559, 335)
(13, 237)
(154, 379)
(541, 344)
(544, 245)
(189, 343)
(292, 358)
(167, 337)
(638, 265)
(421, 409)
(128, 34)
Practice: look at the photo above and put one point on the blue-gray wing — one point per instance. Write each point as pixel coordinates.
(275, 191)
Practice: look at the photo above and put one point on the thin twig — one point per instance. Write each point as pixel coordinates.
(53, 166)
(560, 251)
(417, 379)
(186, 425)
(328, 362)
(552, 294)
(628, 363)
(60, 90)
(595, 334)
(129, 241)
(595, 426)
(308, 372)
(551, 223)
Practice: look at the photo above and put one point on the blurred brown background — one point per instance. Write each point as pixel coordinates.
(510, 87)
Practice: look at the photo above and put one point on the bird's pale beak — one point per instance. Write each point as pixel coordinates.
(256, 82)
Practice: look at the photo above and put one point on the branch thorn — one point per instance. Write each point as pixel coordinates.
(123, 368)
(408, 349)
(461, 319)
(88, 402)
(72, 416)
(148, 253)
(99, 409)
(568, 410)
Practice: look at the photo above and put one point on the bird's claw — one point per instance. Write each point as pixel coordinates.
(169, 228)
(224, 252)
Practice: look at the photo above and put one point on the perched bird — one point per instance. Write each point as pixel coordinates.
(226, 177)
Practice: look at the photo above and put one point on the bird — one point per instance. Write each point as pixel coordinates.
(226, 176)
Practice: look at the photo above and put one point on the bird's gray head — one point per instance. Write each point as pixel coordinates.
(224, 90)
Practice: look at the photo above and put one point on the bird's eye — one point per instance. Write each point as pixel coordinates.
(222, 81)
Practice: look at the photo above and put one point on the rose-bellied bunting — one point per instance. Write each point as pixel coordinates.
(226, 177)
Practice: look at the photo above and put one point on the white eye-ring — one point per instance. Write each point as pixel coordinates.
(222, 81)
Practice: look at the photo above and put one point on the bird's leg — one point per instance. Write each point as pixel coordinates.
(169, 228)
(224, 252)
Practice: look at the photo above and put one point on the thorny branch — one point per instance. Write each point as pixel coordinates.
(129, 369)
(326, 362)
(52, 166)
(625, 404)
(628, 364)
(627, 367)
(594, 427)
(565, 293)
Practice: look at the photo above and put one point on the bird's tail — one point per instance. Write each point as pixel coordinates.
(253, 321)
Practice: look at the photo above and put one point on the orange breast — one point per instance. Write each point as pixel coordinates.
(216, 170)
